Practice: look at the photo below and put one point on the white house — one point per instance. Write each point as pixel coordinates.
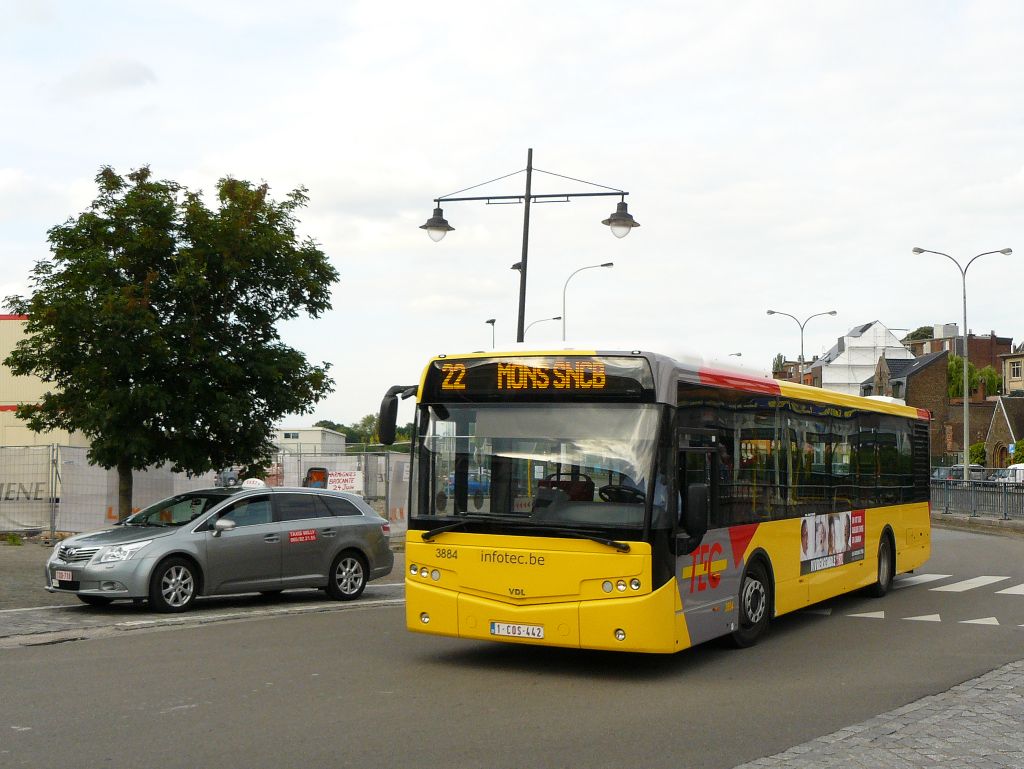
(309, 440)
(855, 356)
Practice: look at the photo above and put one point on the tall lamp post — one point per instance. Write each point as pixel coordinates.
(581, 269)
(963, 278)
(620, 221)
(801, 325)
(542, 320)
(490, 322)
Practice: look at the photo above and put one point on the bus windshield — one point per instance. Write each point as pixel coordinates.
(566, 466)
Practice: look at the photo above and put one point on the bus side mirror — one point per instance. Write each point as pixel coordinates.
(389, 411)
(695, 515)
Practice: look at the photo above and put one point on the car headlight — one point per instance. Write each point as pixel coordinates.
(123, 552)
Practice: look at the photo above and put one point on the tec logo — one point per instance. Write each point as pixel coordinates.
(706, 565)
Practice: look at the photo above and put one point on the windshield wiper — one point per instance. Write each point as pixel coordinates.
(429, 535)
(622, 547)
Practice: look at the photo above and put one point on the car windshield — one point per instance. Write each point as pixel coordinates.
(177, 510)
(567, 466)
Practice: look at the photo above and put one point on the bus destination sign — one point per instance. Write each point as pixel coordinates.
(543, 377)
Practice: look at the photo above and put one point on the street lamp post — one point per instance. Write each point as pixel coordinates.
(581, 269)
(620, 222)
(801, 325)
(542, 320)
(963, 278)
(490, 322)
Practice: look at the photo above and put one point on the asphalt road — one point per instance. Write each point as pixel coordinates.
(353, 688)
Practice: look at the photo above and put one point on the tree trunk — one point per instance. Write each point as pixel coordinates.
(124, 489)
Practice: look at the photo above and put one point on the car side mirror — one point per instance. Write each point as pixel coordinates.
(222, 525)
(695, 515)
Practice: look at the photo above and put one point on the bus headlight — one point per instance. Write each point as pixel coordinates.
(634, 583)
(621, 585)
(425, 618)
(620, 634)
(414, 570)
(606, 586)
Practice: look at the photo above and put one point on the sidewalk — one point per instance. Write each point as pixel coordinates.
(976, 724)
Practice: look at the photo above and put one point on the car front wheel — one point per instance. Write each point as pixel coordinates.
(173, 586)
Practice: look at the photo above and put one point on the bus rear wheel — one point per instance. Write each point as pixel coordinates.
(754, 606)
(886, 569)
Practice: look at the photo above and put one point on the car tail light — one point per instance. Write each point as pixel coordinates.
(386, 528)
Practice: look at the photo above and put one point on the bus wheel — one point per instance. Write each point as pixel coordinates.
(754, 603)
(886, 569)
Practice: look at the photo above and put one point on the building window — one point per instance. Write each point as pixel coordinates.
(897, 390)
(1015, 369)
(291, 436)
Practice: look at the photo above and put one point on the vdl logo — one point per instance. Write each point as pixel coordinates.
(518, 592)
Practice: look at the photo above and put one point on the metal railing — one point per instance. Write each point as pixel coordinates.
(991, 499)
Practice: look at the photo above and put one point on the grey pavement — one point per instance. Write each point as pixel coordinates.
(979, 723)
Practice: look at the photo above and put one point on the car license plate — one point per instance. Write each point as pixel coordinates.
(515, 630)
(63, 576)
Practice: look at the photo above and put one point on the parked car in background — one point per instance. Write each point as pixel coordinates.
(975, 473)
(227, 540)
(1011, 474)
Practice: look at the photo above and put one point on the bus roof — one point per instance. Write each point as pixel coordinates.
(668, 371)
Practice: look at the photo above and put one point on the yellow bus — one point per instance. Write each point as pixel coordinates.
(638, 503)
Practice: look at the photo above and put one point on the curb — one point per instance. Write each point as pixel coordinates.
(998, 526)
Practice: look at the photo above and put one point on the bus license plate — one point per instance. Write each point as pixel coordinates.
(63, 576)
(514, 630)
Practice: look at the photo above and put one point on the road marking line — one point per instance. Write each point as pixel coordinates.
(969, 584)
(40, 608)
(982, 621)
(926, 618)
(869, 615)
(917, 579)
(1015, 590)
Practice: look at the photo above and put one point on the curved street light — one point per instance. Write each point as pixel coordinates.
(801, 325)
(490, 322)
(963, 277)
(581, 269)
(620, 222)
(542, 320)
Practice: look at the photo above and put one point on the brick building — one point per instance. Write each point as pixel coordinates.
(984, 349)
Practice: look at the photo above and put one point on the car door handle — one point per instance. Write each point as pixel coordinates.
(271, 538)
(328, 532)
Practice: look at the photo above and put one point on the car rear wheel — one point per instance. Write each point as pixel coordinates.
(95, 600)
(348, 576)
(173, 586)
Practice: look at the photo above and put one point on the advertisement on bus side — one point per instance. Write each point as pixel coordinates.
(828, 540)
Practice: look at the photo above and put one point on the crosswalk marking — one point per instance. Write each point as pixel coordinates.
(917, 579)
(926, 618)
(969, 584)
(870, 615)
(982, 621)
(1015, 590)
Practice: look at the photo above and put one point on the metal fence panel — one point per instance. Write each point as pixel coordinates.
(979, 498)
(26, 500)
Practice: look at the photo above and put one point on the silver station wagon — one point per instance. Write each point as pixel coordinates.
(227, 540)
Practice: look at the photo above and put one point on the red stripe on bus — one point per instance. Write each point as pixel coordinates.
(740, 537)
(739, 382)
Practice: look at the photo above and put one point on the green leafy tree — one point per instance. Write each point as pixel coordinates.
(990, 378)
(977, 453)
(778, 362)
(921, 332)
(1018, 452)
(154, 320)
(955, 376)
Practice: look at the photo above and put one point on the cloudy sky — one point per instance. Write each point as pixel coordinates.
(783, 155)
